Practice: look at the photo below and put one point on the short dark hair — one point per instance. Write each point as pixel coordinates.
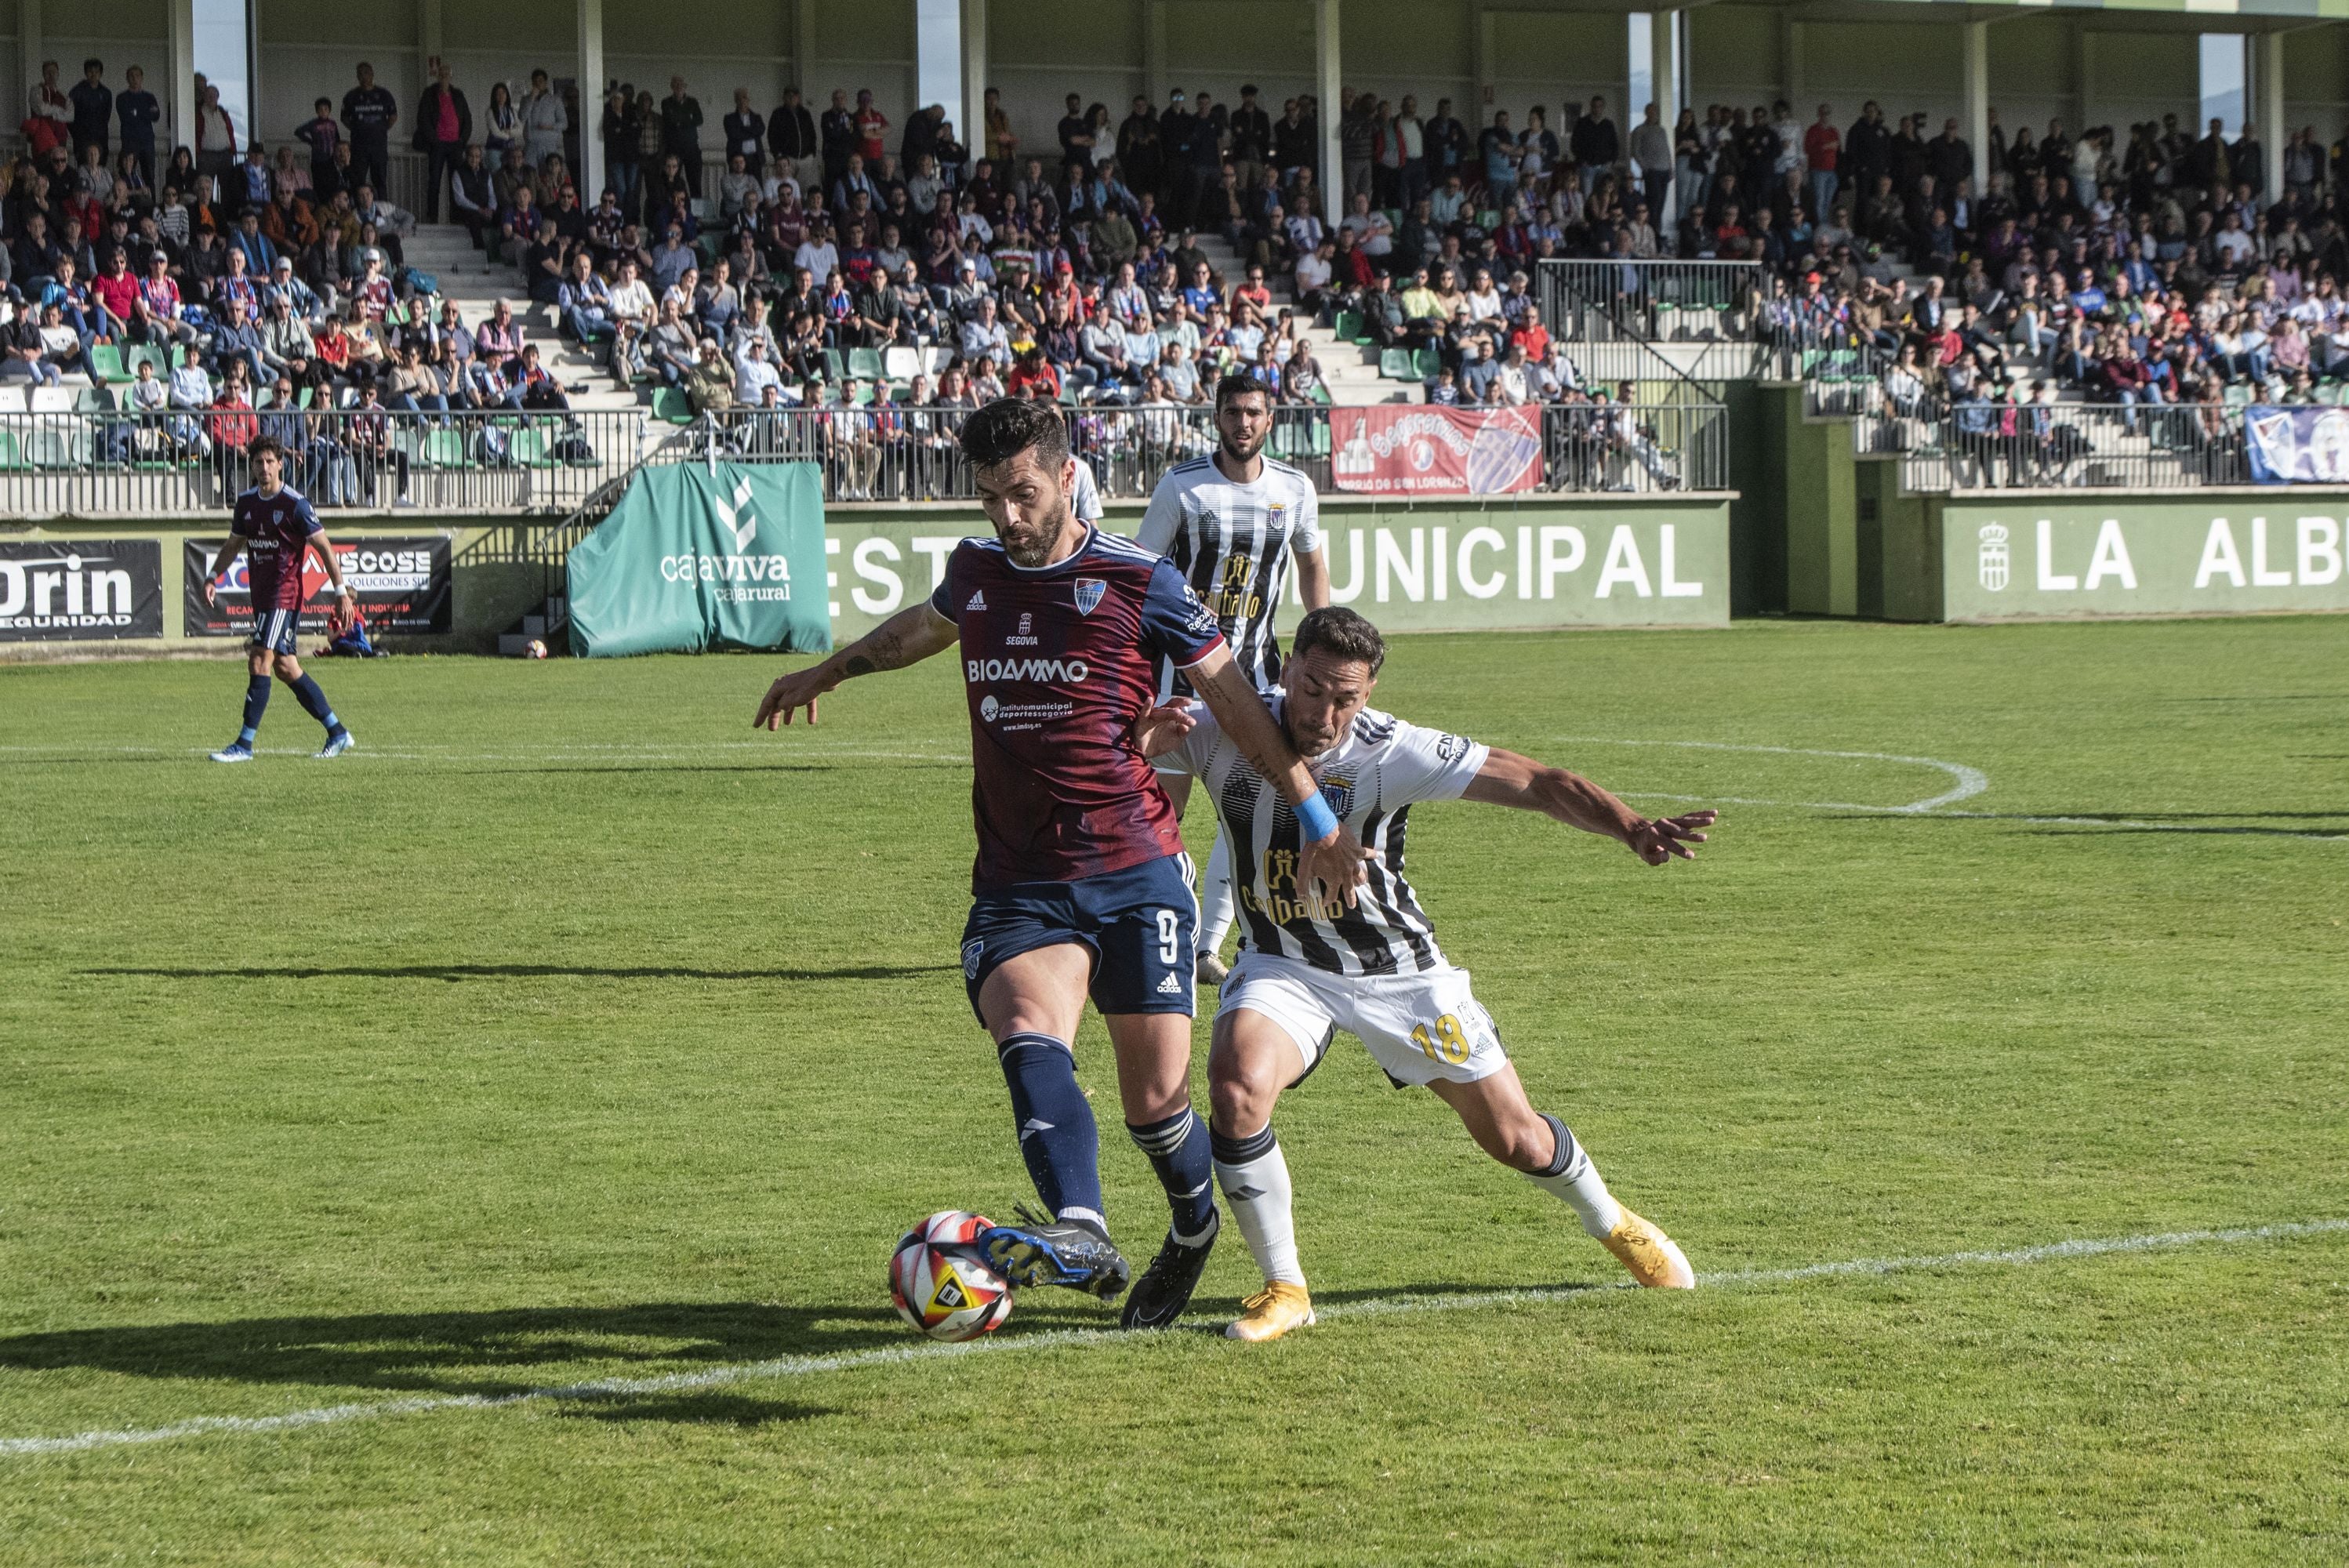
(1009, 426)
(264, 446)
(1342, 632)
(1239, 386)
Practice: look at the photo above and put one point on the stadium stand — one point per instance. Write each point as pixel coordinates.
(784, 256)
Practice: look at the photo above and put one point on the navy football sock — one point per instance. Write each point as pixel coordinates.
(256, 703)
(314, 703)
(1180, 1152)
(1056, 1135)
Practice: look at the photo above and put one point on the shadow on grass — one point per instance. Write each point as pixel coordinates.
(486, 1353)
(454, 973)
(692, 1409)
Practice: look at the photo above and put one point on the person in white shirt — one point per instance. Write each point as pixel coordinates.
(755, 375)
(1308, 970)
(817, 253)
(1231, 522)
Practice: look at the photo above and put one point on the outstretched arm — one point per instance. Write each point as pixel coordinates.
(1329, 868)
(907, 637)
(1509, 779)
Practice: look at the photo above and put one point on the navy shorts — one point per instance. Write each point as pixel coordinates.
(1140, 924)
(276, 630)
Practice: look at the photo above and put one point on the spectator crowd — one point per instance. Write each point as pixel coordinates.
(813, 255)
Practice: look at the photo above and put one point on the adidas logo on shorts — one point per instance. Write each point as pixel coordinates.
(977, 600)
(1171, 986)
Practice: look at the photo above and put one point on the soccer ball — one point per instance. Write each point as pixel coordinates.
(941, 1282)
(537, 650)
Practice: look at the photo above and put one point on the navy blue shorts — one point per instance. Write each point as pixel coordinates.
(1140, 924)
(276, 630)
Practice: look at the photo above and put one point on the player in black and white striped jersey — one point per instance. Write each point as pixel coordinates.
(1231, 522)
(1310, 967)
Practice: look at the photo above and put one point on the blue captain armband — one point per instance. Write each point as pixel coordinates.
(1315, 818)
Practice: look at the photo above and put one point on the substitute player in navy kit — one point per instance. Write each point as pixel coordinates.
(277, 529)
(1081, 886)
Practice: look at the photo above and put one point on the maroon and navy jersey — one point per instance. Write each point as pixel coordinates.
(276, 530)
(1058, 661)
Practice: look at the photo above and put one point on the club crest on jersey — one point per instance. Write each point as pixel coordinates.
(1088, 594)
(1339, 795)
(1275, 515)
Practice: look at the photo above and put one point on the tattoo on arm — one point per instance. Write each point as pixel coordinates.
(858, 664)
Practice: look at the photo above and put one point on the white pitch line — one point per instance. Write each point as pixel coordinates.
(1965, 782)
(1388, 1307)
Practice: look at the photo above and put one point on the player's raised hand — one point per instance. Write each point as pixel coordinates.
(1331, 871)
(792, 691)
(1658, 841)
(1161, 730)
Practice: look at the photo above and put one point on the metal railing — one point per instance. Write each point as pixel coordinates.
(2059, 446)
(109, 463)
(898, 453)
(1655, 301)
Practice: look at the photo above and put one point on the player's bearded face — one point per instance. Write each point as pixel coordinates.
(1029, 505)
(1324, 694)
(1243, 424)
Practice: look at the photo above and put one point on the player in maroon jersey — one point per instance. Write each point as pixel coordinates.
(1081, 886)
(276, 527)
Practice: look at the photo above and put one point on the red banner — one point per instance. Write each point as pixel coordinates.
(1397, 449)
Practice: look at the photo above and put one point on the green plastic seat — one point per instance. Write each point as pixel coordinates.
(1348, 326)
(444, 449)
(106, 360)
(1429, 363)
(834, 369)
(1395, 365)
(671, 404)
(530, 449)
(153, 355)
(12, 452)
(864, 364)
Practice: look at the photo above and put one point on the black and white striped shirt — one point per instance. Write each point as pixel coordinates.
(1232, 542)
(1370, 781)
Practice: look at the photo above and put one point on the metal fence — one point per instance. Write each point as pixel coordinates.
(1655, 301)
(108, 463)
(2058, 445)
(909, 454)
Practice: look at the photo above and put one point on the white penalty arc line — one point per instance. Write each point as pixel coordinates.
(790, 1367)
(1965, 782)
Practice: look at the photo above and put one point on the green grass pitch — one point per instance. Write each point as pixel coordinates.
(568, 1032)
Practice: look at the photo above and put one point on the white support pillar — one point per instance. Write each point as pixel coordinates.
(591, 100)
(1328, 83)
(30, 42)
(970, 123)
(1664, 86)
(178, 91)
(2268, 83)
(803, 64)
(1978, 102)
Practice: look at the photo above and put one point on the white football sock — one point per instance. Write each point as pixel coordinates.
(1255, 1180)
(1217, 910)
(1573, 1178)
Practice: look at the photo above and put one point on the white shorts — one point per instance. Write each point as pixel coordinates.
(1420, 1025)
